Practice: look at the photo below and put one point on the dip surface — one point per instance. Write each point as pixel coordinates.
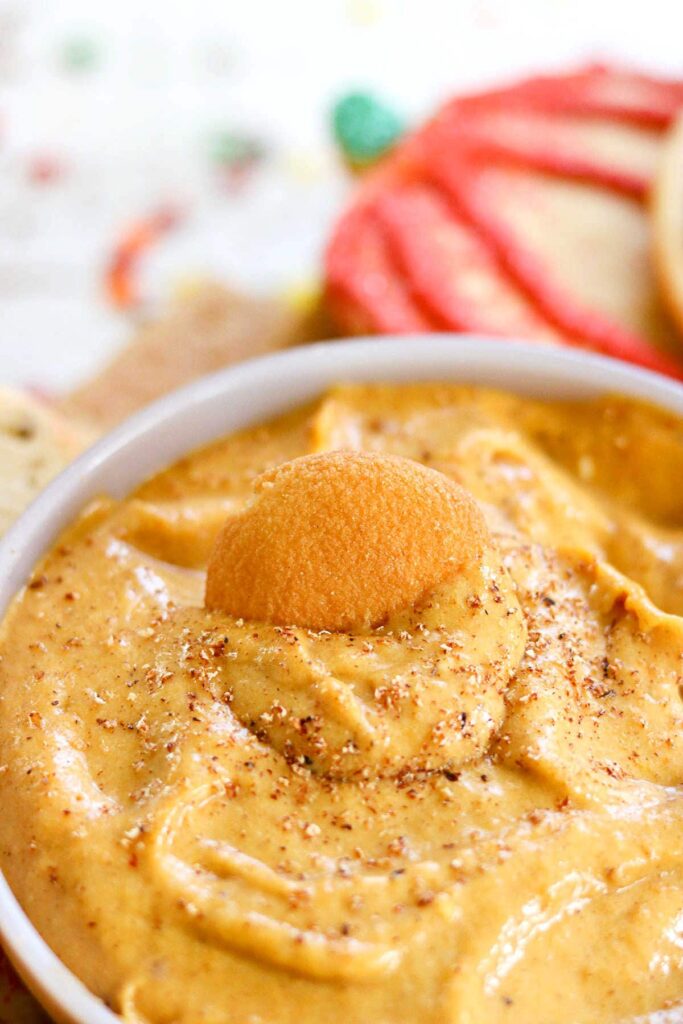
(470, 812)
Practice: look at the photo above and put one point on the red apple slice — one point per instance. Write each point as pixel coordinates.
(614, 154)
(580, 253)
(596, 90)
(667, 223)
(364, 291)
(519, 212)
(451, 271)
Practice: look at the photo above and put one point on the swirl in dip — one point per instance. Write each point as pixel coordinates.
(409, 751)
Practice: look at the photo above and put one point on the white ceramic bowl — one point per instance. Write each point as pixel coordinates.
(235, 398)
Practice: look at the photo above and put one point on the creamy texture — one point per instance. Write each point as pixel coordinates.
(468, 813)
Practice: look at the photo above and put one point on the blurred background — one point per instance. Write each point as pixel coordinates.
(212, 119)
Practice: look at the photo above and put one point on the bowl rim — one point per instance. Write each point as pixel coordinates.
(237, 396)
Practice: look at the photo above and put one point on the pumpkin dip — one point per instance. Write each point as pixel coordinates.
(409, 751)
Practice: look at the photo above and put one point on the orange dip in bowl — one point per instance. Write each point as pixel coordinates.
(450, 792)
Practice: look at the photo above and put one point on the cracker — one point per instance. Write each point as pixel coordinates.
(36, 443)
(199, 334)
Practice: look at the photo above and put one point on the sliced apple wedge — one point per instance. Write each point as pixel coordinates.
(667, 223)
(364, 290)
(580, 253)
(622, 157)
(595, 90)
(522, 211)
(452, 271)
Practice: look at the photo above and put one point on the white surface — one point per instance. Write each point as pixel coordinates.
(234, 398)
(133, 132)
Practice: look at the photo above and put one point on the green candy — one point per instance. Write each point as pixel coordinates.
(365, 127)
(236, 149)
(80, 53)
